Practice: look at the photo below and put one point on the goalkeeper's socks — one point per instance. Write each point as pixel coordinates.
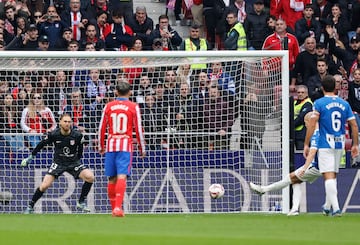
(37, 195)
(85, 191)
(120, 191)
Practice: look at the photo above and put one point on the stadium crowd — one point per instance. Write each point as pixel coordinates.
(322, 38)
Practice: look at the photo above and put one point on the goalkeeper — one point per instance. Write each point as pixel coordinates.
(309, 172)
(68, 150)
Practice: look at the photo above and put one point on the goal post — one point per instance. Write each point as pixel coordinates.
(209, 117)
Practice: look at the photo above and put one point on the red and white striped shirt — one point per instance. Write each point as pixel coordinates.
(118, 119)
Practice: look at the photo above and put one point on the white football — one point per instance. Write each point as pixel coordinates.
(216, 191)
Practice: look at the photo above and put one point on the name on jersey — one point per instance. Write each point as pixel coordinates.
(335, 104)
(120, 107)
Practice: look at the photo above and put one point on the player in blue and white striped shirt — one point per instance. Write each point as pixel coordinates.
(332, 113)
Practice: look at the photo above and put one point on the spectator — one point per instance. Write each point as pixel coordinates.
(321, 52)
(22, 36)
(170, 83)
(314, 83)
(348, 57)
(59, 93)
(224, 80)
(153, 119)
(10, 123)
(76, 19)
(184, 73)
(169, 37)
(37, 118)
(43, 43)
(10, 20)
(290, 11)
(118, 35)
(218, 119)
(322, 10)
(79, 112)
(91, 37)
(255, 26)
(302, 105)
(157, 44)
(63, 43)
(50, 25)
(354, 99)
(276, 41)
(142, 87)
(142, 25)
(236, 37)
(305, 64)
(254, 109)
(137, 44)
(340, 24)
(95, 88)
(126, 6)
(185, 117)
(307, 26)
(101, 24)
(96, 7)
(213, 11)
(241, 9)
(355, 15)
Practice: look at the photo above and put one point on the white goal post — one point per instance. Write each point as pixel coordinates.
(209, 117)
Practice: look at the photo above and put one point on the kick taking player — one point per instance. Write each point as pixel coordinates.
(332, 113)
(68, 144)
(118, 120)
(309, 172)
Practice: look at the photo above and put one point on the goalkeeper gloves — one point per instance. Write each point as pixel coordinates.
(26, 161)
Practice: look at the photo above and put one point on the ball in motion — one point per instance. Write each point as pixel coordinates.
(216, 191)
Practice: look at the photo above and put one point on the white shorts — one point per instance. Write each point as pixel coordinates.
(310, 175)
(329, 160)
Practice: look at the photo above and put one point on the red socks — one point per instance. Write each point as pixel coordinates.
(120, 191)
(111, 194)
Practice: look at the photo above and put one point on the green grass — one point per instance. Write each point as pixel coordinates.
(174, 229)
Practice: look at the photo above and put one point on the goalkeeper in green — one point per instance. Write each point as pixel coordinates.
(68, 149)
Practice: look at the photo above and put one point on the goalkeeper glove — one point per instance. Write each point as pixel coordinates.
(26, 161)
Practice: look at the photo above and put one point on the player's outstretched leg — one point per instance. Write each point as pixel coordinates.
(256, 188)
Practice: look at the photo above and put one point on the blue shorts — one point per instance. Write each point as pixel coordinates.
(117, 163)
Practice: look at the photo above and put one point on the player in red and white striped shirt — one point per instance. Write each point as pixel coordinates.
(118, 120)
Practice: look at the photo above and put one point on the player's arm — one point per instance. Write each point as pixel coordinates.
(80, 146)
(139, 131)
(355, 138)
(310, 128)
(309, 159)
(47, 139)
(102, 131)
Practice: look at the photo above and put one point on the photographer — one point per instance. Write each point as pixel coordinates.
(50, 25)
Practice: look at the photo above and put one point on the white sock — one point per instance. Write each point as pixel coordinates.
(331, 193)
(296, 196)
(277, 185)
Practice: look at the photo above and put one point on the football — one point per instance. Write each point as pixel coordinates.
(216, 191)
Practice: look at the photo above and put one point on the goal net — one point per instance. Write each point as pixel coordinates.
(209, 117)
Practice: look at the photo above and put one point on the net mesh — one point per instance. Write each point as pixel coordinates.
(208, 119)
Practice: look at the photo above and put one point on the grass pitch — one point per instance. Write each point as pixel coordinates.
(174, 229)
